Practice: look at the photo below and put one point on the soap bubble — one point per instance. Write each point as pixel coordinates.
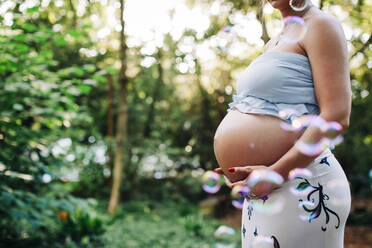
(314, 121)
(295, 29)
(331, 129)
(211, 182)
(311, 149)
(288, 113)
(295, 126)
(302, 122)
(225, 36)
(268, 205)
(220, 245)
(264, 176)
(262, 242)
(224, 230)
(299, 172)
(238, 193)
(307, 205)
(333, 142)
(298, 5)
(226, 29)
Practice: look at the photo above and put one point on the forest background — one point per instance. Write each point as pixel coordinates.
(108, 111)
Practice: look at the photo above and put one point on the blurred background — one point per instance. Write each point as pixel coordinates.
(108, 111)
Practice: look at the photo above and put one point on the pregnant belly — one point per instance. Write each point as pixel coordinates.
(249, 139)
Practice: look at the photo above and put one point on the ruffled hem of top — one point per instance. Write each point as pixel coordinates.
(255, 105)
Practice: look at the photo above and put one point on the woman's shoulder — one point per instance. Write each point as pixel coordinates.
(323, 23)
(324, 28)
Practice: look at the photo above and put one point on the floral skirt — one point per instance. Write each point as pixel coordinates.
(309, 211)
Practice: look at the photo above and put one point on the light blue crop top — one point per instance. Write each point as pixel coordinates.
(276, 81)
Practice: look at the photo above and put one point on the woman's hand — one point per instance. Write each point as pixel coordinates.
(227, 181)
(260, 189)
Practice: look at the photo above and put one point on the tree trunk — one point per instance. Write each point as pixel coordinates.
(121, 127)
(321, 4)
(206, 124)
(110, 126)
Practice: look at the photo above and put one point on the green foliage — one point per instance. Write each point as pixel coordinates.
(194, 225)
(359, 218)
(80, 225)
(160, 224)
(39, 98)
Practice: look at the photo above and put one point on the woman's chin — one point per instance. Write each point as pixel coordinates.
(274, 4)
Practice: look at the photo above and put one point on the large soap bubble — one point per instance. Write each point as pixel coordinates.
(261, 241)
(238, 193)
(260, 177)
(211, 182)
(269, 205)
(295, 29)
(330, 130)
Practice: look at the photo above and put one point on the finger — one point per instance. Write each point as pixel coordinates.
(228, 183)
(218, 171)
(244, 169)
(242, 182)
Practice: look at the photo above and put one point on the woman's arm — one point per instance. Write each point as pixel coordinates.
(326, 48)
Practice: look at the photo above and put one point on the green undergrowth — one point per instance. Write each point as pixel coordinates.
(167, 224)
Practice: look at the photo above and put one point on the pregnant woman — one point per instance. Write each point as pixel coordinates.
(311, 77)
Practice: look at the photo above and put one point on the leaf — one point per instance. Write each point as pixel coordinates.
(60, 41)
(316, 213)
(17, 214)
(78, 71)
(99, 78)
(87, 26)
(33, 9)
(17, 106)
(28, 27)
(6, 198)
(112, 70)
(84, 89)
(74, 33)
(89, 68)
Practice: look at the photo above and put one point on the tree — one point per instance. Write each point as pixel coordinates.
(121, 133)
